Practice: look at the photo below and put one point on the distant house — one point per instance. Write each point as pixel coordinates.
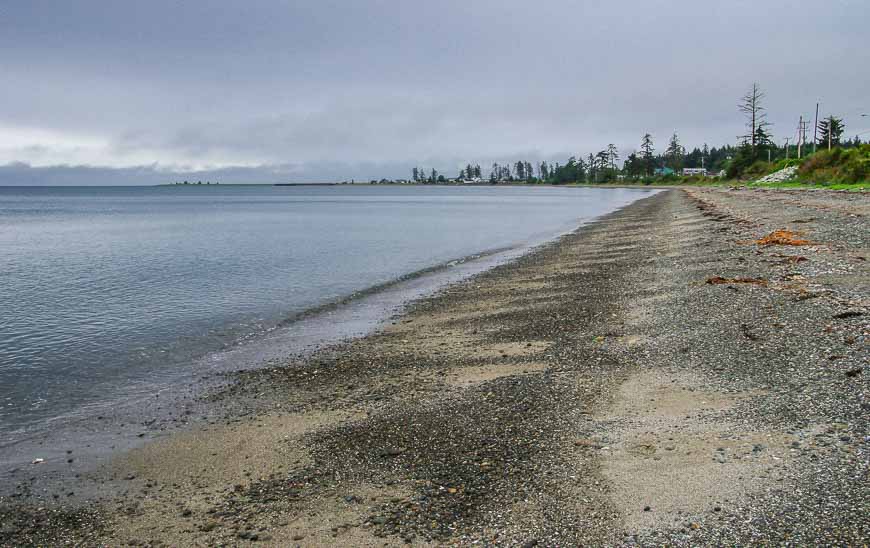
(688, 171)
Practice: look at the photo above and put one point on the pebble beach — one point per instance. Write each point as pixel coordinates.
(689, 370)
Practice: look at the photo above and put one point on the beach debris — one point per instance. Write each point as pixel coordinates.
(719, 280)
(392, 452)
(854, 372)
(783, 237)
(37, 461)
(849, 314)
(748, 333)
(794, 259)
(587, 443)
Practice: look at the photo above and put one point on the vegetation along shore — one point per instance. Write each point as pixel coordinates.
(691, 369)
(814, 155)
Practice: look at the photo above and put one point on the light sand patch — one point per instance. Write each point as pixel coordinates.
(254, 446)
(475, 375)
(633, 340)
(188, 472)
(668, 449)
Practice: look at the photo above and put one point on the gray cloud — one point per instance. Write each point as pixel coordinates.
(339, 89)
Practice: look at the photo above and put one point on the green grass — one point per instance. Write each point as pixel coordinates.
(862, 186)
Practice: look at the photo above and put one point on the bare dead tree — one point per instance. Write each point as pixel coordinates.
(756, 117)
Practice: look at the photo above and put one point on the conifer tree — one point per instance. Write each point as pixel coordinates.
(830, 131)
(646, 154)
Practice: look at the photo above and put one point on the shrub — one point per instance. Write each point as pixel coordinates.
(758, 169)
(837, 166)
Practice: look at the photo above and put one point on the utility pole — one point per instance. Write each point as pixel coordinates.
(816, 128)
(800, 132)
(830, 130)
(806, 123)
(802, 135)
(786, 148)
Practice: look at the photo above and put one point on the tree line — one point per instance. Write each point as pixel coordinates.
(754, 146)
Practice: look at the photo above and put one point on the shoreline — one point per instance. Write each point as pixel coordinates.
(594, 391)
(292, 338)
(78, 445)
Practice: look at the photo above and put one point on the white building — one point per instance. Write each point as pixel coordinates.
(694, 171)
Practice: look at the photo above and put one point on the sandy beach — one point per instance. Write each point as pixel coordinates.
(669, 374)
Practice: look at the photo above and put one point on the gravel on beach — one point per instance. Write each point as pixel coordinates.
(665, 375)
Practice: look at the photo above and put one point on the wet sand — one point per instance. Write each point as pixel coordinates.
(596, 391)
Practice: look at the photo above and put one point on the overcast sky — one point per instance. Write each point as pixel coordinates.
(324, 89)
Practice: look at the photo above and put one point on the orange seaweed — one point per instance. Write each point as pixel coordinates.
(782, 237)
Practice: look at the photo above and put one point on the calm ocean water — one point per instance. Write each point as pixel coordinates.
(106, 291)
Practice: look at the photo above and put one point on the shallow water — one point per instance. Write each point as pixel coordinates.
(110, 293)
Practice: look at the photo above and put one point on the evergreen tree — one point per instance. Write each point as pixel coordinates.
(675, 152)
(612, 155)
(633, 166)
(763, 141)
(831, 131)
(646, 154)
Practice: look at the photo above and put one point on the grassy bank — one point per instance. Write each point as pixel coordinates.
(836, 169)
